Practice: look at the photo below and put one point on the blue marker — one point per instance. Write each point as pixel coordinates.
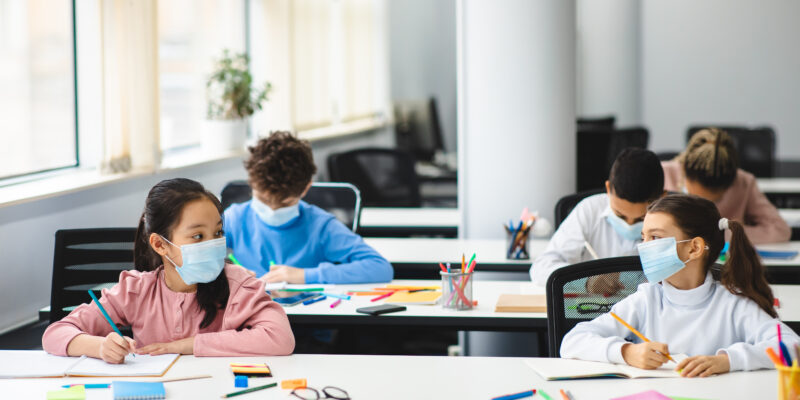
(89, 385)
(336, 296)
(105, 314)
(314, 300)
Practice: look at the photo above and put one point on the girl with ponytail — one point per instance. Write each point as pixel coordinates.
(709, 168)
(721, 317)
(182, 298)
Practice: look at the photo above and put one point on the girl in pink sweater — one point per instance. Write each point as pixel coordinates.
(182, 298)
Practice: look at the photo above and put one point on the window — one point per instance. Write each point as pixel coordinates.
(37, 77)
(191, 34)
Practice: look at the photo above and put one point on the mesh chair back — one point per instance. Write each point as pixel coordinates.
(85, 258)
(567, 203)
(756, 147)
(417, 128)
(585, 123)
(569, 301)
(343, 200)
(598, 148)
(385, 177)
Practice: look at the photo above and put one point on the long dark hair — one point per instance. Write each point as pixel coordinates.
(742, 274)
(162, 211)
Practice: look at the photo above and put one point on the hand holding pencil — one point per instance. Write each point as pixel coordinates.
(647, 355)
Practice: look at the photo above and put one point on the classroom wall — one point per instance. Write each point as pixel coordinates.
(733, 61)
(27, 233)
(422, 47)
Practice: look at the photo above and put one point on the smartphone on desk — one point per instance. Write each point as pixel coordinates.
(381, 309)
(295, 299)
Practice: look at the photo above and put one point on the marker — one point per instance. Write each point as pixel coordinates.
(565, 395)
(313, 289)
(383, 296)
(545, 395)
(520, 395)
(336, 303)
(89, 385)
(105, 314)
(635, 332)
(271, 263)
(233, 259)
(314, 300)
(273, 384)
(336, 296)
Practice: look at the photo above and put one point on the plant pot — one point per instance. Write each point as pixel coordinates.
(221, 136)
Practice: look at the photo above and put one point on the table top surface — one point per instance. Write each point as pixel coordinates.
(409, 377)
(779, 185)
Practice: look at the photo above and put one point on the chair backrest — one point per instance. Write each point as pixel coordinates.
(84, 258)
(417, 128)
(565, 204)
(343, 200)
(598, 148)
(385, 177)
(564, 312)
(606, 122)
(756, 147)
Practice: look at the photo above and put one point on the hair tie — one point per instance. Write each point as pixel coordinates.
(723, 224)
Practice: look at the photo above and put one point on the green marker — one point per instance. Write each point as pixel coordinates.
(545, 395)
(273, 384)
(271, 263)
(232, 258)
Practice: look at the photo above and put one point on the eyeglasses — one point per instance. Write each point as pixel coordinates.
(329, 392)
(590, 308)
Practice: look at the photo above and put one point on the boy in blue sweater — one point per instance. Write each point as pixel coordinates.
(305, 243)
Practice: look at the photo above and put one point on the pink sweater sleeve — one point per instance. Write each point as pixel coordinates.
(88, 319)
(763, 223)
(253, 324)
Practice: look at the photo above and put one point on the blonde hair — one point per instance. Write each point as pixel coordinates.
(710, 159)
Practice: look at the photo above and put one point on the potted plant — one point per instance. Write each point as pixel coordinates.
(231, 98)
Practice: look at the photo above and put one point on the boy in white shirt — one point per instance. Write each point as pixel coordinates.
(610, 222)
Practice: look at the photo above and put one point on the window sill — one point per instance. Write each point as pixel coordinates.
(344, 129)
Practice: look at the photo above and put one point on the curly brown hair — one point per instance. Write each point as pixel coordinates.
(281, 165)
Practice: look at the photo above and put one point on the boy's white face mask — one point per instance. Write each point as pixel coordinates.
(279, 217)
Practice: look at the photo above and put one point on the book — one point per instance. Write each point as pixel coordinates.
(521, 303)
(554, 369)
(403, 297)
(124, 390)
(39, 364)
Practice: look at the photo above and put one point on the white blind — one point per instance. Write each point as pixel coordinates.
(311, 60)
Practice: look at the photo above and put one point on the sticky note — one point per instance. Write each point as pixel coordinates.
(293, 383)
(73, 393)
(250, 369)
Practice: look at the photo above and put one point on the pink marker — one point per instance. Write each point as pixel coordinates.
(336, 303)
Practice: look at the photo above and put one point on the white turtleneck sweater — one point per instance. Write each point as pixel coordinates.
(706, 320)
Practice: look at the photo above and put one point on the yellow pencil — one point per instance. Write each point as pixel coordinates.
(635, 332)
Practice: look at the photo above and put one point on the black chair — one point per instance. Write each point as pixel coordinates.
(343, 200)
(598, 148)
(586, 123)
(84, 259)
(565, 204)
(563, 313)
(385, 177)
(417, 128)
(756, 147)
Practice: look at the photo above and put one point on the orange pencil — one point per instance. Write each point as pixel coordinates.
(774, 357)
(635, 332)
(463, 262)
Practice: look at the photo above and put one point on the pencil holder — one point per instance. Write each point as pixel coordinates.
(456, 290)
(517, 245)
(788, 383)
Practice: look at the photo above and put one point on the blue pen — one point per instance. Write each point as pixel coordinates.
(514, 239)
(520, 395)
(89, 385)
(314, 300)
(105, 314)
(785, 351)
(336, 296)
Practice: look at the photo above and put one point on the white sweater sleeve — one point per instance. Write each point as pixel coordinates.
(760, 332)
(565, 247)
(602, 338)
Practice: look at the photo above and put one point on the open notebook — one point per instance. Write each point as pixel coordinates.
(554, 369)
(39, 364)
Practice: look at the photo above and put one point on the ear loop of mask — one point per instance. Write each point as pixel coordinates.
(165, 254)
(683, 241)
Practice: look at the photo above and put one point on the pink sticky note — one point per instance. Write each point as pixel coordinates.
(648, 395)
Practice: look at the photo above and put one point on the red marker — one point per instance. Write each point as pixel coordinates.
(383, 296)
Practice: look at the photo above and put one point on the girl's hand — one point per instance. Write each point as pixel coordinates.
(704, 366)
(183, 346)
(114, 348)
(284, 273)
(648, 355)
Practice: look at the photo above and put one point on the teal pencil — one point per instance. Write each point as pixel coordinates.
(105, 314)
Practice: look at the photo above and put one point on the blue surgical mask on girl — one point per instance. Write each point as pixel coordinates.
(279, 217)
(202, 262)
(660, 258)
(629, 232)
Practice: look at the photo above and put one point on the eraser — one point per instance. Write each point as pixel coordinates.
(293, 383)
(240, 381)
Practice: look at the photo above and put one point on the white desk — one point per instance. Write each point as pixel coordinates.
(779, 185)
(405, 377)
(389, 221)
(791, 216)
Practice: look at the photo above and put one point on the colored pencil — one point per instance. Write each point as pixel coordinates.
(273, 384)
(110, 321)
(513, 396)
(637, 333)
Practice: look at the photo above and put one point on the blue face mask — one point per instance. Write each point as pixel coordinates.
(628, 232)
(202, 262)
(281, 216)
(660, 258)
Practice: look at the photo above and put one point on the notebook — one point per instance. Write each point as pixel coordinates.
(403, 297)
(521, 303)
(554, 369)
(39, 364)
(777, 254)
(124, 390)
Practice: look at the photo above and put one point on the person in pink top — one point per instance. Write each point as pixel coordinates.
(182, 298)
(709, 168)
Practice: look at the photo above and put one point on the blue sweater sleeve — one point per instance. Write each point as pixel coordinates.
(348, 259)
